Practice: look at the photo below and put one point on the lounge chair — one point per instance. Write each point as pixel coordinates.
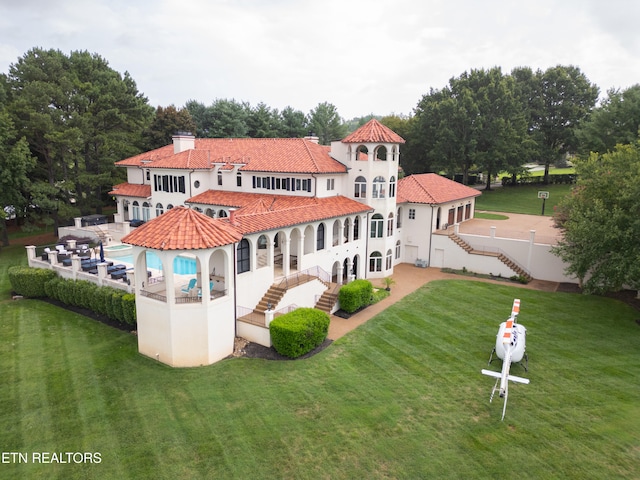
(187, 288)
(210, 288)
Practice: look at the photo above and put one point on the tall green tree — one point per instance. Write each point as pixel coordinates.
(222, 119)
(294, 123)
(167, 122)
(326, 123)
(601, 221)
(565, 98)
(79, 116)
(616, 120)
(263, 122)
(16, 164)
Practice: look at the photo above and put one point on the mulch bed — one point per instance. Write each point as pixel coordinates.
(253, 350)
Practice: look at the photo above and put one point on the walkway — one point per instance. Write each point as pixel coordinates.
(408, 279)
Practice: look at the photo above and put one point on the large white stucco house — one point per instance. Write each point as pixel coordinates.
(270, 223)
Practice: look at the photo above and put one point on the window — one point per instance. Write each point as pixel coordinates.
(159, 210)
(467, 211)
(135, 210)
(377, 225)
(345, 230)
(320, 237)
(239, 179)
(222, 214)
(196, 184)
(397, 249)
(392, 187)
(399, 218)
(378, 188)
(356, 228)
(412, 214)
(169, 183)
(375, 262)
(336, 233)
(169, 207)
(390, 225)
(146, 211)
(381, 153)
(148, 174)
(243, 256)
(219, 178)
(331, 183)
(360, 188)
(389, 262)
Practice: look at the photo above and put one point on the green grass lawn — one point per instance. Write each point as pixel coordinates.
(521, 199)
(400, 397)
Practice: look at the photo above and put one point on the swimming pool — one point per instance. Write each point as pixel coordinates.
(181, 265)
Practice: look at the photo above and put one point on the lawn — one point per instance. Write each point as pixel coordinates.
(522, 199)
(400, 397)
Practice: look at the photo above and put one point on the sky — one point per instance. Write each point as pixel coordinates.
(363, 56)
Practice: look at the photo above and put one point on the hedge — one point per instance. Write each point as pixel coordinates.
(299, 332)
(28, 281)
(355, 295)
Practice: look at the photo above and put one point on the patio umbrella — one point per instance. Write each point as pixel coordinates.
(101, 252)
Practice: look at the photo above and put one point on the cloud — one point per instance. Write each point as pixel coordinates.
(375, 56)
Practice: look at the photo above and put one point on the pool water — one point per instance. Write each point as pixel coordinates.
(181, 265)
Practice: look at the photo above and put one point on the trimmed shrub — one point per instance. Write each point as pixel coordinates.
(29, 281)
(51, 288)
(129, 308)
(299, 332)
(116, 305)
(355, 295)
(100, 299)
(65, 292)
(108, 292)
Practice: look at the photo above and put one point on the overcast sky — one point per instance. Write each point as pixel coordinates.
(363, 56)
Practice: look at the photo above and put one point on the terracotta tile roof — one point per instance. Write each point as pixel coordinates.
(260, 212)
(131, 190)
(277, 155)
(373, 132)
(182, 228)
(432, 189)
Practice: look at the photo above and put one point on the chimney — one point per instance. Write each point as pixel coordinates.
(183, 141)
(232, 216)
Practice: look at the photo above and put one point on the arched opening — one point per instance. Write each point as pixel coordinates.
(345, 230)
(381, 153)
(399, 218)
(262, 254)
(209, 212)
(336, 233)
(243, 256)
(320, 242)
(362, 153)
(392, 187)
(375, 262)
(377, 226)
(356, 228)
(222, 213)
(308, 240)
(159, 209)
(438, 218)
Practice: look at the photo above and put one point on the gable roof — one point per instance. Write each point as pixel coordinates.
(182, 228)
(131, 190)
(260, 212)
(373, 132)
(276, 155)
(432, 189)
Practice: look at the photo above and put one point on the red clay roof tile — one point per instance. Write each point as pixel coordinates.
(182, 228)
(373, 132)
(432, 189)
(131, 190)
(260, 212)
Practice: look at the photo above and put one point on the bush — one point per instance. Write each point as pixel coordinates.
(355, 295)
(65, 292)
(299, 332)
(116, 305)
(29, 281)
(51, 288)
(129, 308)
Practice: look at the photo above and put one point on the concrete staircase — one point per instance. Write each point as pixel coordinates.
(328, 299)
(500, 256)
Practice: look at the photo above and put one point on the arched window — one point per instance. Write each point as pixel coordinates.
(197, 209)
(210, 213)
(239, 179)
(159, 210)
(390, 225)
(219, 178)
(381, 153)
(169, 207)
(399, 218)
(377, 226)
(378, 188)
(320, 237)
(146, 211)
(375, 262)
(135, 210)
(243, 256)
(394, 153)
(397, 249)
(392, 187)
(360, 188)
(356, 228)
(389, 262)
(222, 214)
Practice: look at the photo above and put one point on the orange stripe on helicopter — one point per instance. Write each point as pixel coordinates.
(515, 310)
(506, 336)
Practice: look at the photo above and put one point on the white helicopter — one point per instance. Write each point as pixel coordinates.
(510, 347)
